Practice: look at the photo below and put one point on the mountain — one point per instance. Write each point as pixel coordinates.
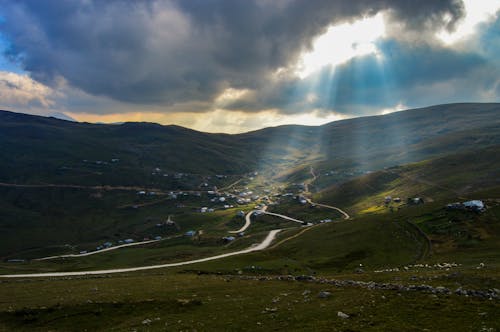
(62, 116)
(38, 149)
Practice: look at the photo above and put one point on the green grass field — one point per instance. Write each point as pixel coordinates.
(159, 302)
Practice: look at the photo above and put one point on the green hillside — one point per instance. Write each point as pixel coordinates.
(461, 176)
(392, 266)
(47, 150)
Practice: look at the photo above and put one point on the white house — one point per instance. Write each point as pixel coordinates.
(475, 205)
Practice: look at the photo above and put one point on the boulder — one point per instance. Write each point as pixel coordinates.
(342, 315)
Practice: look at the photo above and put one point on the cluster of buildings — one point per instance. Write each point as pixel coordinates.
(110, 244)
(409, 201)
(474, 205)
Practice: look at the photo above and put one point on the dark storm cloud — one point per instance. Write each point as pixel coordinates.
(165, 52)
(414, 75)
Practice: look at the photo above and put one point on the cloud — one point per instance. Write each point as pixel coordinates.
(21, 90)
(402, 72)
(218, 120)
(172, 53)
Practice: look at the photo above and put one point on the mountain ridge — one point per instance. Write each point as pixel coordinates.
(35, 148)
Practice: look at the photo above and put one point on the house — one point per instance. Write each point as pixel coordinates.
(474, 205)
(128, 240)
(142, 192)
(228, 239)
(190, 233)
(15, 260)
(302, 200)
(107, 244)
(387, 199)
(397, 200)
(455, 206)
(240, 214)
(158, 238)
(415, 200)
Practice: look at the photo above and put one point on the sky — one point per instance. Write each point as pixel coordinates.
(239, 65)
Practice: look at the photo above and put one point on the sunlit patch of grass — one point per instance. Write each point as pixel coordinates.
(374, 209)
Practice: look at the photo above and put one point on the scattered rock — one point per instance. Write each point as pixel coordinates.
(342, 315)
(324, 294)
(304, 278)
(186, 302)
(490, 294)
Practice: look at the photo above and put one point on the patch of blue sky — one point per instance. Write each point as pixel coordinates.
(7, 64)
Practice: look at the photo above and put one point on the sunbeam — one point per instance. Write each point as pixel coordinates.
(341, 43)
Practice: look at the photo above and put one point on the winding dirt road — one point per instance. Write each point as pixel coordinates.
(98, 251)
(346, 216)
(248, 221)
(261, 246)
(284, 217)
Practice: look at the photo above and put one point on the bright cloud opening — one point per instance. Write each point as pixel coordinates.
(476, 12)
(218, 120)
(343, 42)
(399, 107)
(230, 95)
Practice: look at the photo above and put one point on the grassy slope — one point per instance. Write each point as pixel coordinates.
(210, 303)
(194, 297)
(43, 150)
(455, 235)
(46, 217)
(457, 176)
(39, 150)
(183, 300)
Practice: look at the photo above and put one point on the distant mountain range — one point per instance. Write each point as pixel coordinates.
(37, 149)
(61, 116)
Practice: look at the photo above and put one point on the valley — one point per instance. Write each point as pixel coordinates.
(147, 227)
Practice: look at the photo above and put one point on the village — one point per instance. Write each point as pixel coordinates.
(245, 197)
